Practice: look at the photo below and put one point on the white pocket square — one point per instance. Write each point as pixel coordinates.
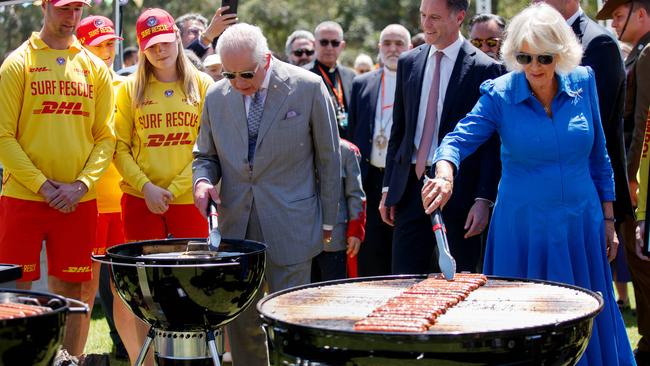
(291, 114)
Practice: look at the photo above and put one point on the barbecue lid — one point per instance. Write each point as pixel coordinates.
(10, 272)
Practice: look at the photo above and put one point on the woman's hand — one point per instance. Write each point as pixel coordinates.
(354, 244)
(612, 240)
(437, 191)
(157, 198)
(640, 234)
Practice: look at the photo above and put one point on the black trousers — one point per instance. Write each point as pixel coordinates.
(414, 245)
(375, 255)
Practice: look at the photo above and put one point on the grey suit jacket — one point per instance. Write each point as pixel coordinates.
(295, 181)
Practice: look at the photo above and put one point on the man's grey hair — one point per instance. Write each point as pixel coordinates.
(397, 28)
(298, 34)
(244, 36)
(180, 22)
(329, 25)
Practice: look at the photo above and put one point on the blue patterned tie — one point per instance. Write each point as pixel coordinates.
(254, 118)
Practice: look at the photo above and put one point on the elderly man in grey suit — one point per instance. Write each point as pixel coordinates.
(269, 135)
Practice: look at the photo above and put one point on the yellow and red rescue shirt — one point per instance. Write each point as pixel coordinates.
(155, 141)
(642, 175)
(56, 109)
(108, 187)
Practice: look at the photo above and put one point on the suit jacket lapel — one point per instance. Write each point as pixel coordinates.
(275, 97)
(417, 74)
(374, 86)
(464, 61)
(579, 26)
(238, 110)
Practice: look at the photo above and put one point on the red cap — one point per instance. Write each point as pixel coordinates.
(155, 26)
(58, 3)
(95, 29)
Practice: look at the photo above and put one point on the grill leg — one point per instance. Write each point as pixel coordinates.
(213, 349)
(145, 347)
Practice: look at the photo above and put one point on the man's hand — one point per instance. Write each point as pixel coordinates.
(156, 198)
(612, 240)
(219, 23)
(354, 244)
(67, 195)
(477, 218)
(327, 236)
(387, 213)
(640, 234)
(47, 190)
(202, 191)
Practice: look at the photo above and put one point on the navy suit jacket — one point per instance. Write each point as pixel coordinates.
(363, 107)
(479, 174)
(602, 53)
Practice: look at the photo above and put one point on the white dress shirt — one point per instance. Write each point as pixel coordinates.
(383, 119)
(446, 67)
(574, 17)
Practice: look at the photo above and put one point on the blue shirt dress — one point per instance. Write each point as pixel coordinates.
(548, 222)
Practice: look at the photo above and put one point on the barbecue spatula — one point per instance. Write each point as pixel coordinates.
(214, 238)
(446, 262)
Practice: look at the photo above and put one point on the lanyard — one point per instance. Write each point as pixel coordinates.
(384, 106)
(338, 92)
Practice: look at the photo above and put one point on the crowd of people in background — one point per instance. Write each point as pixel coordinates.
(529, 134)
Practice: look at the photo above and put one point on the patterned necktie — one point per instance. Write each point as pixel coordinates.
(254, 118)
(430, 119)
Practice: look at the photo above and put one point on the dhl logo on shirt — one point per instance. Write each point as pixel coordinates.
(83, 269)
(172, 139)
(38, 69)
(51, 107)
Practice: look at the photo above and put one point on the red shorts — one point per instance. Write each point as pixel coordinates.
(69, 238)
(180, 221)
(110, 232)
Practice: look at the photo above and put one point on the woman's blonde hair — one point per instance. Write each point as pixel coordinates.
(187, 76)
(545, 31)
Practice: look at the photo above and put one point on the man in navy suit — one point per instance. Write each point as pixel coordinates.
(371, 119)
(437, 85)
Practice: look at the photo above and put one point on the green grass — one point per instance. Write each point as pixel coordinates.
(99, 340)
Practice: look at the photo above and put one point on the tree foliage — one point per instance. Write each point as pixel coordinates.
(362, 20)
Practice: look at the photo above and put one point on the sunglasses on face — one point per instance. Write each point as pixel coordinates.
(242, 74)
(324, 42)
(490, 42)
(299, 52)
(525, 59)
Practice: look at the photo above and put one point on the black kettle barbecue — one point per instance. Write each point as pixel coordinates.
(32, 337)
(186, 295)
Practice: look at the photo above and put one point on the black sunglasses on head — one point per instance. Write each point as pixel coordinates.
(525, 59)
(335, 42)
(299, 52)
(490, 42)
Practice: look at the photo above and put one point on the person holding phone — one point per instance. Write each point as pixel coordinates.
(224, 17)
(156, 125)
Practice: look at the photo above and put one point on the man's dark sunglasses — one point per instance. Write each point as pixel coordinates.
(299, 52)
(242, 74)
(525, 58)
(324, 42)
(490, 42)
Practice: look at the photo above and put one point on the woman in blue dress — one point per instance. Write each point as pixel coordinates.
(553, 217)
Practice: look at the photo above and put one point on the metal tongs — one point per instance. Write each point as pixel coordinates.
(214, 238)
(446, 262)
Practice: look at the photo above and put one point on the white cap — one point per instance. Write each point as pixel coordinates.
(211, 60)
